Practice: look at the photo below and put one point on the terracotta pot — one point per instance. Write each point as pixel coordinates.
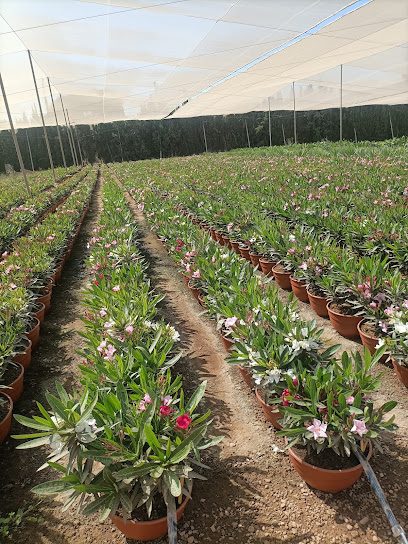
(146, 530)
(24, 358)
(331, 481)
(46, 300)
(58, 272)
(319, 304)
(227, 241)
(6, 422)
(34, 334)
(244, 250)
(271, 414)
(266, 267)
(196, 292)
(40, 313)
(254, 258)
(235, 247)
(299, 288)
(346, 325)
(246, 376)
(401, 371)
(282, 279)
(219, 238)
(227, 343)
(15, 388)
(369, 341)
(213, 235)
(201, 301)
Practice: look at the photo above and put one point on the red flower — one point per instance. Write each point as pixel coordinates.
(295, 382)
(96, 282)
(183, 421)
(165, 411)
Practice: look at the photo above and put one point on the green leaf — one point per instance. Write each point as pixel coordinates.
(172, 482)
(196, 397)
(32, 424)
(153, 442)
(52, 488)
(34, 443)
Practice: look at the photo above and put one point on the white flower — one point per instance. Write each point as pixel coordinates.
(273, 375)
(257, 378)
(380, 343)
(291, 374)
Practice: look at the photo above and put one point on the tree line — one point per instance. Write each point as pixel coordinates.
(137, 140)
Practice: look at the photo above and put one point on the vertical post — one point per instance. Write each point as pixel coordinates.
(341, 102)
(79, 145)
(42, 118)
(392, 129)
(270, 130)
(205, 139)
(58, 129)
(294, 112)
(355, 135)
(68, 133)
(72, 138)
(29, 150)
(247, 133)
(283, 132)
(13, 133)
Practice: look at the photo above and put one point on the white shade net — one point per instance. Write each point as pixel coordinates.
(140, 59)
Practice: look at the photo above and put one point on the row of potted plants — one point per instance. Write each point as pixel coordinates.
(350, 270)
(321, 405)
(14, 192)
(130, 443)
(27, 277)
(20, 218)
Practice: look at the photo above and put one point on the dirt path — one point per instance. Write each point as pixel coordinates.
(252, 495)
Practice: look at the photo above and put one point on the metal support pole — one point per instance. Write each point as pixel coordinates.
(205, 139)
(79, 146)
(294, 112)
(355, 135)
(341, 102)
(29, 150)
(73, 139)
(13, 133)
(283, 132)
(68, 133)
(392, 129)
(42, 119)
(270, 129)
(58, 129)
(247, 133)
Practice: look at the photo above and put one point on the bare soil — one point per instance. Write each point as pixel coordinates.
(253, 495)
(326, 459)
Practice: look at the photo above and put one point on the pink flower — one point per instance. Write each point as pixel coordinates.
(373, 304)
(109, 324)
(129, 329)
(103, 313)
(405, 304)
(303, 266)
(295, 382)
(318, 429)
(110, 353)
(183, 421)
(188, 268)
(231, 321)
(147, 398)
(142, 406)
(13, 286)
(116, 288)
(197, 274)
(166, 400)
(350, 400)
(101, 346)
(359, 427)
(164, 410)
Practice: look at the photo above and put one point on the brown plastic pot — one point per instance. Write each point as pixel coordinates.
(401, 372)
(244, 250)
(271, 414)
(24, 358)
(46, 300)
(34, 334)
(299, 288)
(219, 238)
(331, 481)
(227, 241)
(346, 325)
(146, 530)
(227, 343)
(15, 388)
(40, 313)
(235, 246)
(319, 304)
(254, 258)
(266, 266)
(282, 279)
(369, 341)
(5, 424)
(195, 292)
(246, 376)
